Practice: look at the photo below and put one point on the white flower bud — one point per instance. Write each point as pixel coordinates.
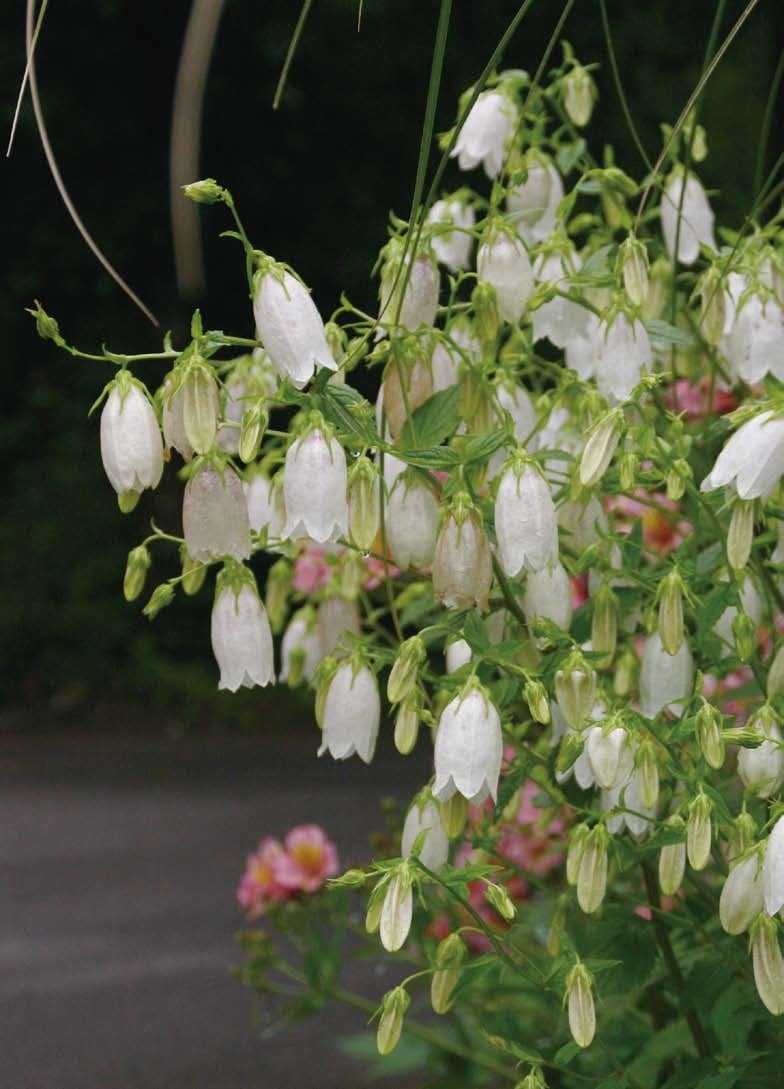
(773, 869)
(407, 720)
(314, 488)
(665, 679)
(609, 754)
(582, 1013)
(451, 239)
(420, 301)
(411, 523)
(600, 447)
(579, 94)
(425, 816)
(762, 768)
(671, 612)
(741, 898)
(462, 563)
(485, 133)
(457, 654)
(575, 690)
(574, 853)
(289, 325)
(363, 508)
(696, 218)
(634, 258)
(300, 649)
(752, 460)
(592, 875)
(131, 445)
(405, 670)
(468, 747)
(200, 408)
(698, 832)
(396, 911)
(768, 963)
(548, 595)
(672, 862)
(240, 633)
(502, 261)
(525, 520)
(352, 712)
(448, 961)
(390, 1024)
(215, 516)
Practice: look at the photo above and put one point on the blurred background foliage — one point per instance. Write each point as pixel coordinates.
(314, 182)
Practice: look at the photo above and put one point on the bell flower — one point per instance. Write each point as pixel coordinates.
(300, 649)
(352, 712)
(411, 523)
(741, 898)
(562, 321)
(533, 205)
(752, 461)
(315, 480)
(468, 747)
(485, 133)
(753, 344)
(425, 816)
(462, 563)
(131, 444)
(582, 1013)
(502, 261)
(289, 325)
(610, 755)
(773, 869)
(526, 524)
(419, 303)
(240, 632)
(215, 515)
(768, 963)
(548, 595)
(762, 768)
(665, 679)
(696, 218)
(452, 221)
(622, 353)
(264, 498)
(672, 860)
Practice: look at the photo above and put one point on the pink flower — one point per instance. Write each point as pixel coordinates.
(692, 400)
(662, 529)
(308, 860)
(375, 572)
(312, 570)
(259, 886)
(579, 590)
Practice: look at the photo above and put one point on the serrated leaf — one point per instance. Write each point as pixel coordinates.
(482, 447)
(475, 632)
(433, 421)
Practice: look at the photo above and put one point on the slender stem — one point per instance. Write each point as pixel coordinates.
(767, 120)
(619, 87)
(292, 49)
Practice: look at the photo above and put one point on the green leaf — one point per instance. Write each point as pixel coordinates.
(482, 447)
(712, 608)
(440, 457)
(664, 335)
(510, 1047)
(433, 421)
(565, 1054)
(349, 412)
(475, 632)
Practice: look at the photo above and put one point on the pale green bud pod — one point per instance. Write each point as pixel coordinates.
(709, 735)
(582, 1013)
(136, 569)
(533, 1080)
(390, 1024)
(741, 534)
(405, 671)
(775, 683)
(672, 861)
(699, 831)
(535, 695)
(488, 321)
(575, 690)
(352, 576)
(634, 262)
(579, 95)
(628, 465)
(647, 774)
(768, 963)
(127, 501)
(699, 145)
(255, 421)
(206, 191)
(455, 812)
(499, 898)
(624, 674)
(407, 725)
(659, 278)
(600, 447)
(743, 835)
(449, 958)
(396, 910)
(592, 875)
(676, 479)
(363, 507)
(324, 676)
(161, 596)
(744, 632)
(574, 854)
(569, 751)
(193, 573)
(713, 314)
(671, 612)
(277, 593)
(604, 622)
(200, 406)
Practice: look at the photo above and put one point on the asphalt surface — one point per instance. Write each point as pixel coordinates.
(120, 852)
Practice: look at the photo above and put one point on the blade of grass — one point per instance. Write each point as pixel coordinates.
(39, 23)
(292, 49)
(619, 87)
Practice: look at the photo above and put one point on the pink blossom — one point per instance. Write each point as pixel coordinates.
(259, 886)
(308, 860)
(662, 530)
(312, 570)
(692, 400)
(579, 590)
(374, 566)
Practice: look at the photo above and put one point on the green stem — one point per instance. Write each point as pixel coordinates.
(295, 37)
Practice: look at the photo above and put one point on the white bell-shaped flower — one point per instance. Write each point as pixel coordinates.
(468, 747)
(526, 524)
(289, 325)
(610, 755)
(485, 133)
(456, 655)
(264, 498)
(444, 367)
(622, 354)
(752, 461)
(762, 769)
(300, 648)
(418, 304)
(172, 418)
(452, 240)
(352, 712)
(462, 562)
(131, 444)
(768, 963)
(425, 816)
(315, 481)
(215, 516)
(584, 523)
(696, 218)
(240, 632)
(741, 898)
(753, 344)
(751, 603)
(773, 869)
(562, 321)
(665, 679)
(534, 204)
(548, 595)
(411, 523)
(502, 261)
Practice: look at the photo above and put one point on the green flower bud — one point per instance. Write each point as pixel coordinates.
(600, 447)
(363, 508)
(699, 831)
(499, 898)
(699, 145)
(535, 695)
(393, 1011)
(206, 191)
(634, 262)
(405, 672)
(533, 1080)
(582, 1013)
(396, 910)
(200, 406)
(574, 854)
(488, 322)
(744, 632)
(455, 812)
(46, 326)
(743, 835)
(569, 750)
(161, 596)
(579, 94)
(624, 674)
(277, 593)
(136, 569)
(193, 573)
(647, 774)
(255, 421)
(672, 861)
(713, 313)
(448, 960)
(671, 612)
(127, 501)
(768, 963)
(676, 480)
(604, 622)
(628, 464)
(592, 875)
(407, 724)
(352, 576)
(709, 734)
(575, 690)
(741, 534)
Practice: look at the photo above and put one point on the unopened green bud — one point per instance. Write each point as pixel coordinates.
(499, 898)
(709, 734)
(634, 262)
(592, 875)
(200, 409)
(405, 671)
(407, 725)
(396, 910)
(744, 632)
(582, 1013)
(600, 447)
(327, 669)
(535, 695)
(254, 423)
(574, 853)
(672, 860)
(136, 569)
(659, 278)
(699, 831)
(161, 596)
(363, 507)
(624, 674)
(393, 1011)
(127, 501)
(352, 575)
(575, 690)
(277, 594)
(768, 963)
(533, 1080)
(46, 326)
(677, 477)
(448, 960)
(569, 750)
(579, 95)
(628, 464)
(671, 612)
(699, 145)
(336, 339)
(488, 322)
(713, 314)
(604, 622)
(193, 573)
(743, 835)
(455, 812)
(206, 191)
(741, 534)
(647, 774)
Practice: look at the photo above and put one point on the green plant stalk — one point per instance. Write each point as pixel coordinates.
(292, 49)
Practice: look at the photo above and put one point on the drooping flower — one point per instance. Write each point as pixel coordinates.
(468, 747)
(240, 632)
(417, 305)
(502, 261)
(762, 768)
(665, 679)
(696, 218)
(485, 132)
(411, 523)
(131, 444)
(753, 343)
(451, 239)
(315, 479)
(462, 562)
(264, 498)
(752, 461)
(289, 325)
(548, 595)
(533, 204)
(308, 859)
(215, 515)
(622, 353)
(526, 524)
(300, 649)
(425, 816)
(741, 898)
(562, 321)
(773, 869)
(352, 712)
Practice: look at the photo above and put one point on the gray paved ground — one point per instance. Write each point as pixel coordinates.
(120, 853)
